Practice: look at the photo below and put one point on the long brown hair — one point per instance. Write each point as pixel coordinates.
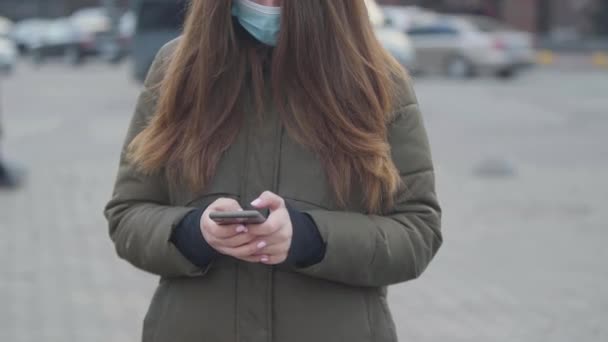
(331, 80)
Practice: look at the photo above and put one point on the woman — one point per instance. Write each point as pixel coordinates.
(291, 106)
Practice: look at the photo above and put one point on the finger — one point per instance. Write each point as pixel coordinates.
(236, 241)
(268, 200)
(223, 231)
(225, 204)
(275, 238)
(274, 250)
(246, 250)
(264, 230)
(271, 226)
(228, 251)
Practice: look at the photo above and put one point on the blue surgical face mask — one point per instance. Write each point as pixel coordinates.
(262, 22)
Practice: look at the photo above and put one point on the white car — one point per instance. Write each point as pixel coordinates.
(8, 51)
(399, 46)
(465, 46)
(404, 17)
(115, 47)
(92, 25)
(393, 40)
(8, 55)
(5, 26)
(92, 20)
(28, 34)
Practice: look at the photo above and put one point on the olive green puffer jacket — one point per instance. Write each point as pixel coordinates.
(342, 298)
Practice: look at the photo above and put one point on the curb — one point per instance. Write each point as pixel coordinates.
(551, 58)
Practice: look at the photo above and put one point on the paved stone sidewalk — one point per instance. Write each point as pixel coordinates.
(524, 257)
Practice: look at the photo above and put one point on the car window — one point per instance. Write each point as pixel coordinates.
(160, 15)
(433, 30)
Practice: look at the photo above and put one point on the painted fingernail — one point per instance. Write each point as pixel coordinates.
(256, 202)
(241, 229)
(264, 259)
(261, 244)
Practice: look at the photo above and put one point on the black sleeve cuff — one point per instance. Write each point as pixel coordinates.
(189, 240)
(307, 245)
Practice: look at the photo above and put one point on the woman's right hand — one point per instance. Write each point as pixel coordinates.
(225, 238)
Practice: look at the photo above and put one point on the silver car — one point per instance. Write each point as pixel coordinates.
(399, 46)
(465, 46)
(394, 41)
(28, 33)
(8, 55)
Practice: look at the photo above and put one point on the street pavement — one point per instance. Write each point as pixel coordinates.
(522, 175)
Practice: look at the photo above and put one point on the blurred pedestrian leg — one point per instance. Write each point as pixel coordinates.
(8, 178)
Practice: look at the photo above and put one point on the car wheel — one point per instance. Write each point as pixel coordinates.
(72, 56)
(459, 67)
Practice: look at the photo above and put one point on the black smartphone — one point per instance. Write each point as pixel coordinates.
(237, 217)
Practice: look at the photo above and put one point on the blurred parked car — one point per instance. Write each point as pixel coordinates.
(74, 38)
(126, 28)
(394, 41)
(28, 33)
(92, 25)
(399, 45)
(8, 55)
(404, 17)
(6, 26)
(113, 47)
(60, 39)
(464, 46)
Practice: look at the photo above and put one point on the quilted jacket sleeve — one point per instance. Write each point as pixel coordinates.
(140, 219)
(371, 250)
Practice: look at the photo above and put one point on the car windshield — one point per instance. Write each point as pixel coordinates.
(161, 15)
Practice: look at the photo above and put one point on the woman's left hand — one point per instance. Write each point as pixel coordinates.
(273, 240)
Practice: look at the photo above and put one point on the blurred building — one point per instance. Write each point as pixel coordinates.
(21, 9)
(555, 17)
